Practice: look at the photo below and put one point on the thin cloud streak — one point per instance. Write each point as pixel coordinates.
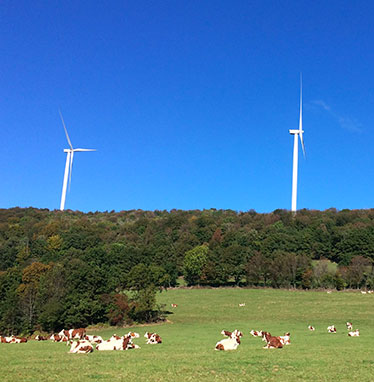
(345, 123)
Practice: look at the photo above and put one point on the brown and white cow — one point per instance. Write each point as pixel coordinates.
(230, 343)
(286, 340)
(235, 333)
(94, 339)
(72, 334)
(123, 343)
(174, 305)
(355, 333)
(18, 340)
(58, 338)
(349, 325)
(311, 328)
(256, 333)
(331, 329)
(81, 347)
(153, 338)
(271, 341)
(40, 338)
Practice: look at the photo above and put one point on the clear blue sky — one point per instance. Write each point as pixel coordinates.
(188, 103)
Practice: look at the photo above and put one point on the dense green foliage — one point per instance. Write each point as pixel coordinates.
(64, 269)
(187, 350)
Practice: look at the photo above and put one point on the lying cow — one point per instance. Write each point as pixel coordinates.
(349, 325)
(40, 338)
(153, 338)
(18, 340)
(72, 334)
(311, 328)
(81, 347)
(58, 338)
(123, 343)
(256, 333)
(355, 333)
(271, 341)
(285, 339)
(230, 343)
(331, 329)
(235, 333)
(12, 340)
(94, 339)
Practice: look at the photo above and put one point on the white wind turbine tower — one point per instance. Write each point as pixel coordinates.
(296, 134)
(69, 165)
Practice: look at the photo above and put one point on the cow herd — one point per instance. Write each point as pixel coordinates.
(233, 340)
(80, 342)
(272, 342)
(332, 329)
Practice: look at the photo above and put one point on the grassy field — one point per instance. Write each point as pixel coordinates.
(187, 352)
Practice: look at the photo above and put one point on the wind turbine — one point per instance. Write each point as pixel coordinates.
(68, 165)
(296, 134)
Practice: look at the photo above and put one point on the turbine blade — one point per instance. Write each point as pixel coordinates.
(66, 132)
(301, 106)
(71, 168)
(301, 115)
(302, 143)
(84, 150)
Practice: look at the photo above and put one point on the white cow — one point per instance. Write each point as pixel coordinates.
(230, 343)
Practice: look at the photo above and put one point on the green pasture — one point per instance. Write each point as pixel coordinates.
(187, 352)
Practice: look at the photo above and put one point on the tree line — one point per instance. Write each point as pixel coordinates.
(68, 269)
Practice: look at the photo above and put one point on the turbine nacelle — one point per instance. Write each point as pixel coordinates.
(294, 131)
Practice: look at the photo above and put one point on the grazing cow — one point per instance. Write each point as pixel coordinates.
(311, 328)
(331, 329)
(94, 339)
(153, 338)
(355, 333)
(174, 305)
(271, 341)
(3, 340)
(363, 292)
(370, 291)
(81, 347)
(256, 333)
(349, 325)
(242, 304)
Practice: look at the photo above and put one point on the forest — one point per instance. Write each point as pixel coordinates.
(74, 269)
